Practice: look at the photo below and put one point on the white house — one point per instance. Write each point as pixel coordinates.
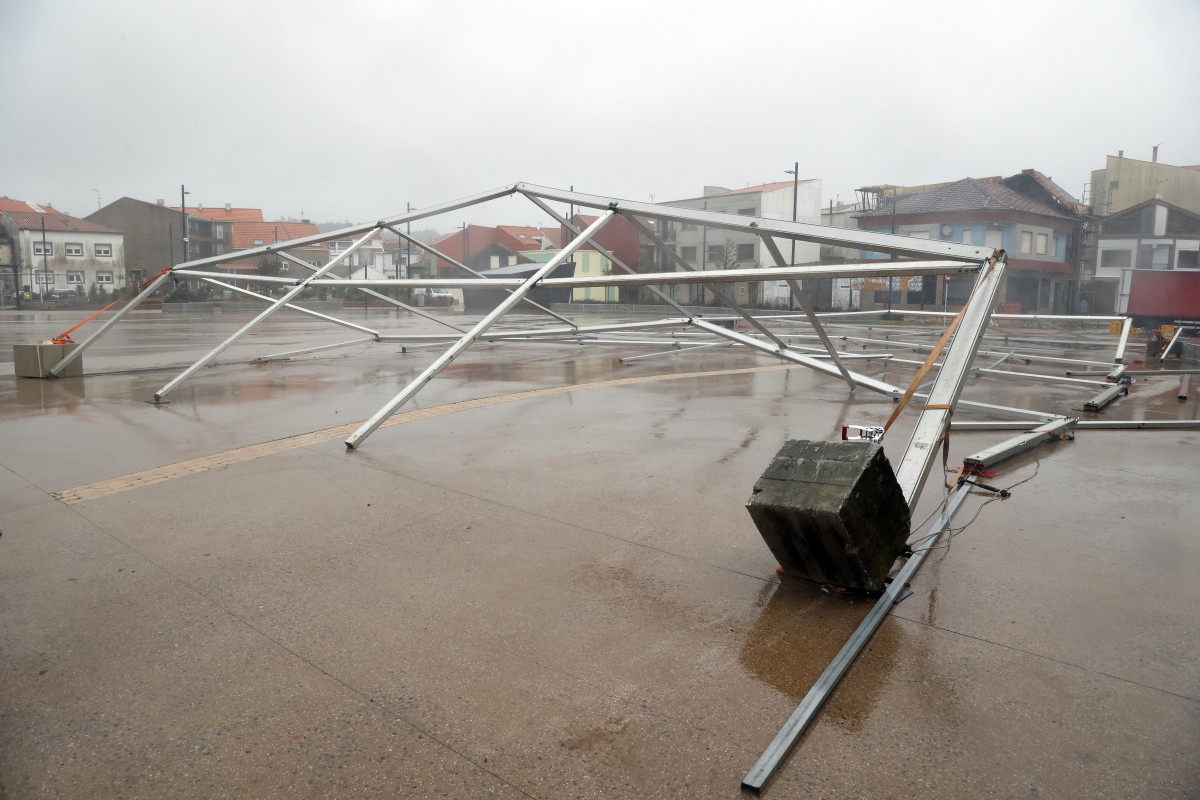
(57, 251)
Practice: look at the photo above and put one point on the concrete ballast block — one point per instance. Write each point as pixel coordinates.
(35, 359)
(832, 512)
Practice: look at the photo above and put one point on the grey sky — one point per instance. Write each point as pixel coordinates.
(347, 110)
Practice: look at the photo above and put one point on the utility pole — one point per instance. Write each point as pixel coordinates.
(45, 266)
(891, 278)
(795, 173)
(183, 220)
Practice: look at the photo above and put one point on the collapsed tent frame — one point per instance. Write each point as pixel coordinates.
(931, 258)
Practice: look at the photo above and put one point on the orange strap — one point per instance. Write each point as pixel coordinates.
(65, 338)
(933, 355)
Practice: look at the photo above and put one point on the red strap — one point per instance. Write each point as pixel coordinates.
(65, 337)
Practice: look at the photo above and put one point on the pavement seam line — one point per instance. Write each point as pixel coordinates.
(149, 477)
(1045, 657)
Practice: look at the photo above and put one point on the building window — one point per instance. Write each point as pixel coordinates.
(1026, 241)
(220, 249)
(46, 249)
(716, 253)
(993, 239)
(75, 278)
(104, 277)
(746, 212)
(745, 252)
(1042, 241)
(966, 237)
(45, 278)
(1115, 259)
(687, 253)
(1154, 256)
(687, 226)
(133, 277)
(258, 243)
(73, 248)
(103, 251)
(220, 231)
(1188, 259)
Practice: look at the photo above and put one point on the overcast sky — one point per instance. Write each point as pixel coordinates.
(347, 110)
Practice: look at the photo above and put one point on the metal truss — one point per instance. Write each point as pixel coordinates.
(696, 329)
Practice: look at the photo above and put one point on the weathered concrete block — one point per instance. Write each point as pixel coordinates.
(832, 512)
(34, 360)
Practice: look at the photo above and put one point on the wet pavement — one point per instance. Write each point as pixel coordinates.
(562, 595)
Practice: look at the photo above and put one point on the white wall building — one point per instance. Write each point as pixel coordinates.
(72, 255)
(715, 249)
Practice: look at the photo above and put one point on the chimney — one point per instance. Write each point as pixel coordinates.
(1154, 157)
(161, 202)
(229, 206)
(1120, 154)
(199, 206)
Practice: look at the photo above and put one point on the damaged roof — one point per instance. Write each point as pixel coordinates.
(968, 194)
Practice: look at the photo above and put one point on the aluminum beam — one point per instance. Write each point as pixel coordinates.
(882, 269)
(130, 306)
(933, 423)
(798, 358)
(353, 230)
(1120, 355)
(1055, 429)
(410, 391)
(287, 355)
(267, 312)
(1105, 397)
(293, 307)
(807, 308)
(800, 231)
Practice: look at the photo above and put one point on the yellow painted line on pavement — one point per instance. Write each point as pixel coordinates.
(149, 477)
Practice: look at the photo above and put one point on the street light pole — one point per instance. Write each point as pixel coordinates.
(183, 218)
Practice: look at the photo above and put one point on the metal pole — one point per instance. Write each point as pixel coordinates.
(249, 326)
(934, 421)
(466, 341)
(130, 306)
(183, 222)
(45, 267)
(1120, 354)
(798, 295)
(795, 205)
(292, 306)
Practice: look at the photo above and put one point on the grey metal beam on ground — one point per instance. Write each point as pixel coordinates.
(1055, 429)
(804, 714)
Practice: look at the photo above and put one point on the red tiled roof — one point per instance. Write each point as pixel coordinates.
(20, 205)
(222, 215)
(530, 238)
(246, 233)
(32, 221)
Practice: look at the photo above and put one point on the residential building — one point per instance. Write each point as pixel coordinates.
(152, 234)
(715, 249)
(1128, 182)
(57, 251)
(1154, 235)
(248, 234)
(1040, 239)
